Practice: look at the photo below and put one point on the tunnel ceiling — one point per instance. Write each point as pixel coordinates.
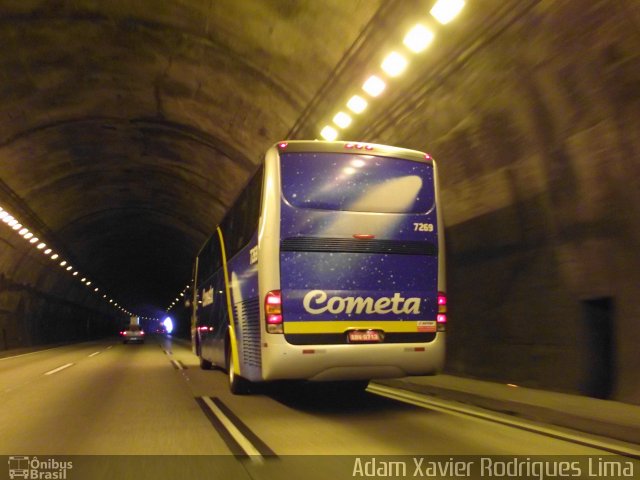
(126, 128)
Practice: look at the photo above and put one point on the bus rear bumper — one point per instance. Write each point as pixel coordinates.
(283, 361)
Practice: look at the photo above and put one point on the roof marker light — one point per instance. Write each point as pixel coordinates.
(282, 145)
(24, 231)
(17, 226)
(358, 146)
(69, 267)
(418, 38)
(41, 245)
(47, 251)
(374, 86)
(446, 10)
(34, 240)
(54, 256)
(28, 235)
(63, 263)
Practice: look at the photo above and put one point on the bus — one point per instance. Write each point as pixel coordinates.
(328, 267)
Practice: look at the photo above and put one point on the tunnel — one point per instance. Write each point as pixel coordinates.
(128, 128)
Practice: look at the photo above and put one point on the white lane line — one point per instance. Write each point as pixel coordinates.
(177, 364)
(94, 354)
(55, 370)
(109, 347)
(237, 435)
(32, 353)
(617, 447)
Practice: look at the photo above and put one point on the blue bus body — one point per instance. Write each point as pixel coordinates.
(329, 267)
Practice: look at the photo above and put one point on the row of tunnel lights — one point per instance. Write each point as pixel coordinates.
(34, 241)
(394, 64)
(416, 40)
(179, 297)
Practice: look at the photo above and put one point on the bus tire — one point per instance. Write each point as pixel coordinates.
(237, 384)
(205, 364)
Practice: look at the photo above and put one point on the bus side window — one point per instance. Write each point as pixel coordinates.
(242, 220)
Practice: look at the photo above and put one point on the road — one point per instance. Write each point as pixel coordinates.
(106, 398)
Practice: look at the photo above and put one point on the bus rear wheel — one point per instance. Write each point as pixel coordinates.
(237, 384)
(204, 363)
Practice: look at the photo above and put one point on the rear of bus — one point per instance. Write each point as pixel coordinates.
(351, 263)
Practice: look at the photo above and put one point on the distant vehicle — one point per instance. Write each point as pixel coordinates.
(329, 266)
(133, 333)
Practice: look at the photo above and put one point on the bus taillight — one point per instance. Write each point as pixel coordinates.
(273, 311)
(441, 318)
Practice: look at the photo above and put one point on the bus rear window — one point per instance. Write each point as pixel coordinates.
(357, 183)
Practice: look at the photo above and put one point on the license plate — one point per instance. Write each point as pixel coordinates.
(364, 336)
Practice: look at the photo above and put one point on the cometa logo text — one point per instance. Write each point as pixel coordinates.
(317, 301)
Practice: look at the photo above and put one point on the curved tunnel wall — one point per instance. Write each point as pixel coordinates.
(41, 303)
(536, 135)
(537, 140)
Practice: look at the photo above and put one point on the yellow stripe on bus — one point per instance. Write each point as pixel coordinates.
(232, 333)
(341, 326)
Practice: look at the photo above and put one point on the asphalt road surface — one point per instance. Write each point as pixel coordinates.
(107, 398)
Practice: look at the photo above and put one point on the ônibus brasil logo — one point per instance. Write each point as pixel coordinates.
(34, 468)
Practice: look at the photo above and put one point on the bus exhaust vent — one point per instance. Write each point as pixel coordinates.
(348, 245)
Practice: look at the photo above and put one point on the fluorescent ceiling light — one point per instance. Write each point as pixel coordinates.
(329, 133)
(374, 86)
(342, 120)
(446, 10)
(394, 64)
(418, 38)
(357, 104)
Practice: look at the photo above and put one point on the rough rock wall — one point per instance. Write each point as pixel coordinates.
(538, 141)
